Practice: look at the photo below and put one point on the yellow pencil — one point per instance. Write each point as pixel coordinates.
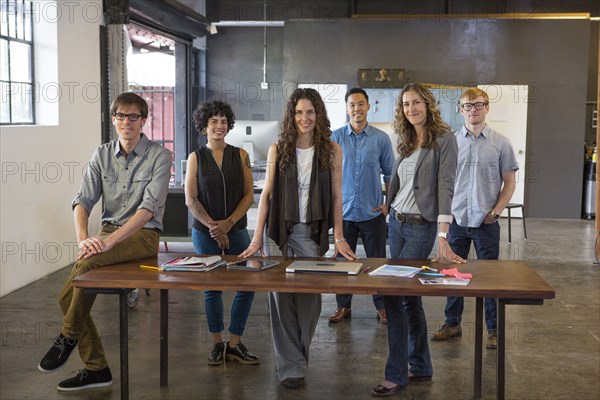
(149, 267)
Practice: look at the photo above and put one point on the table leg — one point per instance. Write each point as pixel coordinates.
(164, 337)
(124, 339)
(500, 361)
(478, 347)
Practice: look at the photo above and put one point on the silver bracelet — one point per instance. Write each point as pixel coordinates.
(340, 240)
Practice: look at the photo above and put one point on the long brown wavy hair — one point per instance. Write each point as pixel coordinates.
(286, 147)
(434, 124)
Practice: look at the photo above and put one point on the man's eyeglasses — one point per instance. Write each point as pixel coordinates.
(132, 117)
(469, 106)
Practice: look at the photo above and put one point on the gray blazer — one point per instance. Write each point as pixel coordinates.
(434, 178)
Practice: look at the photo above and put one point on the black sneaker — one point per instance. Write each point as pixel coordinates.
(86, 379)
(58, 354)
(215, 357)
(240, 353)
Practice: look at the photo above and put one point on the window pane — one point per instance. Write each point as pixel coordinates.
(3, 16)
(4, 104)
(21, 104)
(19, 20)
(20, 62)
(3, 60)
(28, 11)
(11, 13)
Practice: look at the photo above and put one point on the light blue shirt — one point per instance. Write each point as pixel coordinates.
(127, 183)
(364, 158)
(481, 162)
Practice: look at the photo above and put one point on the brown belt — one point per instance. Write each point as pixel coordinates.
(118, 226)
(410, 218)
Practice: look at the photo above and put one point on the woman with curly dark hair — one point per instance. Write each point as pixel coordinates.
(219, 191)
(301, 200)
(419, 203)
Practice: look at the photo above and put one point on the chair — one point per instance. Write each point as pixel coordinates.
(509, 207)
(133, 297)
(176, 201)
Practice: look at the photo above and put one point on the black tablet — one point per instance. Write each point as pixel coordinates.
(252, 265)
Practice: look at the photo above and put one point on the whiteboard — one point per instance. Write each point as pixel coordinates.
(508, 116)
(333, 96)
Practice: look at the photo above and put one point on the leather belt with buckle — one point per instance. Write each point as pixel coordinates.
(118, 226)
(410, 218)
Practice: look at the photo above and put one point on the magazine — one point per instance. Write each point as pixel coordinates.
(445, 281)
(194, 264)
(399, 271)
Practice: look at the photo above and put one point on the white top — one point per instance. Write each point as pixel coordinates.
(405, 201)
(304, 159)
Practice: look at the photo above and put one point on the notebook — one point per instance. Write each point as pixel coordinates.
(349, 268)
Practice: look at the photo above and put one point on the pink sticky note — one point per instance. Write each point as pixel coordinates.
(454, 272)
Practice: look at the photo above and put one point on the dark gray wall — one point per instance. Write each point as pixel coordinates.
(592, 93)
(234, 66)
(552, 56)
(284, 10)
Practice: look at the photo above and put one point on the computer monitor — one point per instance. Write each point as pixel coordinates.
(255, 137)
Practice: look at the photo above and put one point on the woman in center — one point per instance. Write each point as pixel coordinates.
(302, 200)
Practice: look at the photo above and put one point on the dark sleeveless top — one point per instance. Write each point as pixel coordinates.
(283, 210)
(220, 189)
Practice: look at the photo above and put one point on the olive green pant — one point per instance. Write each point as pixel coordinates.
(76, 305)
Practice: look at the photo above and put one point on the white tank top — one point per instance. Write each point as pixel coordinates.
(304, 159)
(405, 201)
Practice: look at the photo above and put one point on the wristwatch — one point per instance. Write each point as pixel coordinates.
(494, 214)
(443, 234)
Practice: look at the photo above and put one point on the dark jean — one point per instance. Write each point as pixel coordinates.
(373, 237)
(405, 314)
(213, 299)
(486, 240)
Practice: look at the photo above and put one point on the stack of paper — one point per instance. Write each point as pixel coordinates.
(399, 271)
(197, 264)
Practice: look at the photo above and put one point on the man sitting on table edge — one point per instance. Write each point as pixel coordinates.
(132, 175)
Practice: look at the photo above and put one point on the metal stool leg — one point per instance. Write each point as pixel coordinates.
(509, 231)
(524, 225)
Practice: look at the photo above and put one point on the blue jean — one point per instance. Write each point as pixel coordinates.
(486, 240)
(373, 233)
(213, 299)
(405, 314)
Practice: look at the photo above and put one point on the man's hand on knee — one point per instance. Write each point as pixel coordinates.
(92, 246)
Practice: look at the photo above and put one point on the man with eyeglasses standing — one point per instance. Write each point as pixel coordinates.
(485, 183)
(131, 174)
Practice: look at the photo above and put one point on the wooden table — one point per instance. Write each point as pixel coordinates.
(511, 282)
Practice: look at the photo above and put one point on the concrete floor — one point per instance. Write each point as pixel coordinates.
(553, 351)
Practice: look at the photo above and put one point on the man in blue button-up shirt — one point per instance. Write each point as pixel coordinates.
(367, 153)
(485, 182)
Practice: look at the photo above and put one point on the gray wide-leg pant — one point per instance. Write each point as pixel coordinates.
(294, 316)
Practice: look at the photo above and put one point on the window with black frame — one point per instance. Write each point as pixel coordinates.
(16, 63)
